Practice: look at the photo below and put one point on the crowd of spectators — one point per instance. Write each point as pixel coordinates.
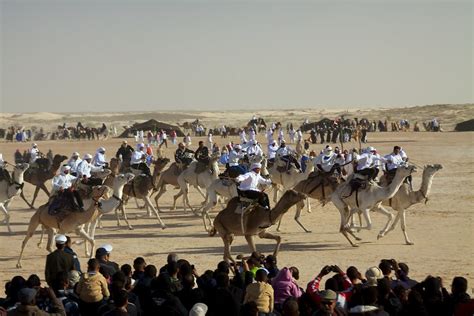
(253, 285)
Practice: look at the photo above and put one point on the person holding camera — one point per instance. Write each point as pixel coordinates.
(338, 283)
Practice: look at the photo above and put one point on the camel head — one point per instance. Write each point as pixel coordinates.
(57, 159)
(161, 162)
(98, 191)
(102, 174)
(21, 167)
(405, 171)
(433, 168)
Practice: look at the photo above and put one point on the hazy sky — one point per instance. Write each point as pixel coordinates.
(68, 55)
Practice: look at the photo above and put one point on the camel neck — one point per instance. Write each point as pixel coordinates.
(393, 187)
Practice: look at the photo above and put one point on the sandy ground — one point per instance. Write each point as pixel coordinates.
(442, 230)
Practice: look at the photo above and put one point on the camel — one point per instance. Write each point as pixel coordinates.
(365, 200)
(9, 190)
(75, 221)
(38, 177)
(141, 188)
(404, 198)
(255, 222)
(288, 180)
(198, 180)
(224, 188)
(169, 176)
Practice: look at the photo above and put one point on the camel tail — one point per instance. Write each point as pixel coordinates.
(212, 231)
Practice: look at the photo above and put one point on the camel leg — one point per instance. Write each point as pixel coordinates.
(150, 206)
(125, 218)
(22, 194)
(404, 229)
(345, 217)
(205, 214)
(251, 242)
(395, 221)
(200, 192)
(7, 217)
(34, 222)
(138, 205)
(275, 193)
(299, 208)
(308, 204)
(175, 199)
(266, 235)
(228, 239)
(389, 215)
(50, 232)
(82, 233)
(43, 187)
(41, 237)
(158, 195)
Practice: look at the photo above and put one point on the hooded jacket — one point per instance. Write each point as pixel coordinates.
(284, 286)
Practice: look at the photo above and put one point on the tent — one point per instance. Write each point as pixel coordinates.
(465, 126)
(151, 125)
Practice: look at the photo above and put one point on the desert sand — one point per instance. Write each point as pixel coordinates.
(442, 230)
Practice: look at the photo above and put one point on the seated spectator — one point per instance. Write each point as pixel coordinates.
(27, 306)
(260, 292)
(284, 286)
(139, 265)
(92, 289)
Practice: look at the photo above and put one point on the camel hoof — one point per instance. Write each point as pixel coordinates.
(355, 245)
(18, 266)
(358, 238)
(379, 236)
(163, 227)
(410, 243)
(307, 231)
(130, 227)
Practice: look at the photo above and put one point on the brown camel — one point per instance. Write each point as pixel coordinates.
(74, 220)
(141, 188)
(168, 177)
(38, 178)
(228, 223)
(10, 189)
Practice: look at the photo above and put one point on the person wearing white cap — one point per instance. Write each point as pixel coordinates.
(272, 150)
(328, 161)
(4, 174)
(62, 186)
(99, 159)
(74, 162)
(235, 169)
(249, 185)
(286, 154)
(34, 152)
(84, 171)
(138, 161)
(58, 261)
(367, 163)
(254, 149)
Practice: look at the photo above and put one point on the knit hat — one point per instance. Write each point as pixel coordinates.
(372, 275)
(199, 309)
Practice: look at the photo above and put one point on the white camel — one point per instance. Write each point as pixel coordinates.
(363, 200)
(75, 221)
(199, 180)
(404, 198)
(9, 190)
(288, 180)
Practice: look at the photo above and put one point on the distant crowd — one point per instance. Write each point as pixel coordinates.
(256, 285)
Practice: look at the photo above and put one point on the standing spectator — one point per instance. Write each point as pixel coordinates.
(68, 249)
(58, 261)
(173, 137)
(260, 292)
(92, 289)
(164, 138)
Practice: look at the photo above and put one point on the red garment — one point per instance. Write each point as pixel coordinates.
(342, 297)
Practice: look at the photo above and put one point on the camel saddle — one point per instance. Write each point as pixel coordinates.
(201, 167)
(245, 204)
(60, 206)
(41, 163)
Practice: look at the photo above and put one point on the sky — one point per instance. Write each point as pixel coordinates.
(136, 55)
